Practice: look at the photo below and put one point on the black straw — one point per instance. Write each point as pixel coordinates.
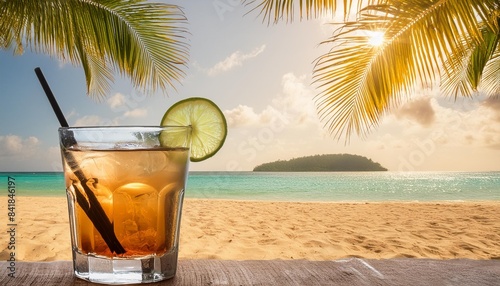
(92, 207)
(51, 98)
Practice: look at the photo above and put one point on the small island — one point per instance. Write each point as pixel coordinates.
(322, 163)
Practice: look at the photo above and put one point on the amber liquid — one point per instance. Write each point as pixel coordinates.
(141, 193)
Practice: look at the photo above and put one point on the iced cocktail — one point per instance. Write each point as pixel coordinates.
(125, 191)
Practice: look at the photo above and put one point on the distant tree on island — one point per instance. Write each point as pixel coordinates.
(322, 163)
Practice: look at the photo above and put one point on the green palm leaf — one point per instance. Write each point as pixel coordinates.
(276, 10)
(141, 40)
(490, 80)
(465, 74)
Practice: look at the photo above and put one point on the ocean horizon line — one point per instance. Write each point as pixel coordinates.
(251, 171)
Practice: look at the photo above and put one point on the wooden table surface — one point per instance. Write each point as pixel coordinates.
(352, 271)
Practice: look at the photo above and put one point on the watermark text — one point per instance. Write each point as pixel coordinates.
(11, 226)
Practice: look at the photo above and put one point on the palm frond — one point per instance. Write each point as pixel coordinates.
(277, 10)
(139, 39)
(464, 73)
(9, 32)
(359, 83)
(490, 83)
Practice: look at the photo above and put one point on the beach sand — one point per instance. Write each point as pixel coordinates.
(249, 230)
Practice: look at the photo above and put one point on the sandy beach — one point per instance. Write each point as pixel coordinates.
(250, 230)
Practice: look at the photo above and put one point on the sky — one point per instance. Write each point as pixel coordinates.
(260, 76)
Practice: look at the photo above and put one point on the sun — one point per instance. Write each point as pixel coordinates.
(376, 38)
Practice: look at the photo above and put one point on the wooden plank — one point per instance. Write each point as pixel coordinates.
(350, 272)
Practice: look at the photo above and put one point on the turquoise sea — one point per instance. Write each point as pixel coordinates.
(324, 186)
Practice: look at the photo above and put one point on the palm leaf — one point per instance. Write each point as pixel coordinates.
(276, 10)
(490, 83)
(141, 40)
(464, 74)
(359, 83)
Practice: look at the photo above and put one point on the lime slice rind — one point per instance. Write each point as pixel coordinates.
(209, 126)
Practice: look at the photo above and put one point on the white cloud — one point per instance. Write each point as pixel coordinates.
(135, 113)
(477, 127)
(296, 99)
(121, 107)
(474, 124)
(116, 100)
(243, 115)
(126, 106)
(234, 60)
(16, 145)
(419, 110)
(95, 120)
(88, 120)
(293, 105)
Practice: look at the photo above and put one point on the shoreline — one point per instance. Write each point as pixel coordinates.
(263, 230)
(495, 201)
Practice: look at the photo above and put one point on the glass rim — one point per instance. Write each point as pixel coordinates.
(126, 127)
(138, 136)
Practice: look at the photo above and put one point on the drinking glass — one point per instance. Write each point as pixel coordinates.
(125, 188)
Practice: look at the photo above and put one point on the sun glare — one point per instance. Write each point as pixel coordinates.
(375, 38)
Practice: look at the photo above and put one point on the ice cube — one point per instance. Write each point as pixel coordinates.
(135, 209)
